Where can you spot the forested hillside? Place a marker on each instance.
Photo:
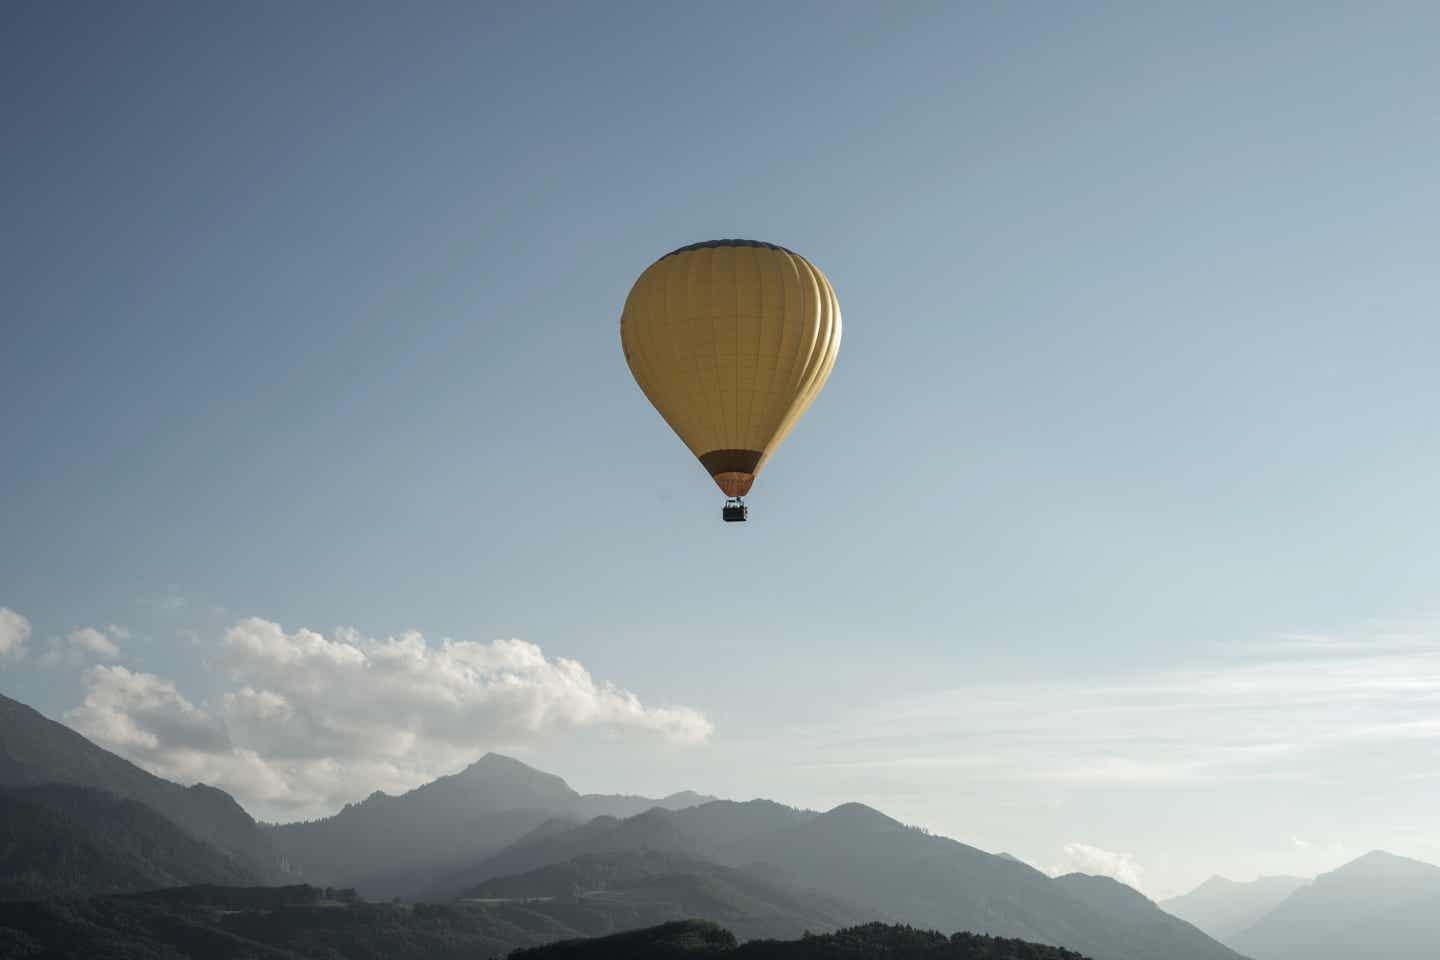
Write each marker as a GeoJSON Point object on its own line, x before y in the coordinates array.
{"type": "Point", "coordinates": [307, 923]}
{"type": "Point", "coordinates": [59, 839]}
{"type": "Point", "coordinates": [35, 750]}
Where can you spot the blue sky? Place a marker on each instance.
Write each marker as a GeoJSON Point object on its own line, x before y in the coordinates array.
{"type": "Point", "coordinates": [311, 316]}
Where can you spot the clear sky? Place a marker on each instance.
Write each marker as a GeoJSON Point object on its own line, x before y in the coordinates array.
{"type": "Point", "coordinates": [1110, 543]}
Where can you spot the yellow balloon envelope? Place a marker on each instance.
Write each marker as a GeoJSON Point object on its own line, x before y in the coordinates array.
{"type": "Point", "coordinates": [731, 340]}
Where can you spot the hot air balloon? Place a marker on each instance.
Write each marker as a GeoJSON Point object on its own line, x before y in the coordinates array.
{"type": "Point", "coordinates": [731, 340]}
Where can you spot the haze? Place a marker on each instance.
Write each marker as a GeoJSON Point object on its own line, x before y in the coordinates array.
{"type": "Point", "coordinates": [1109, 544]}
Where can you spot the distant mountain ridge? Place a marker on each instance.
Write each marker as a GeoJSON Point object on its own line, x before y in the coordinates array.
{"type": "Point", "coordinates": [1224, 908]}
{"type": "Point", "coordinates": [1379, 905]}
{"type": "Point", "coordinates": [627, 805]}
{"type": "Point", "coordinates": [35, 750]}
{"type": "Point", "coordinates": [1135, 917]}
{"type": "Point", "coordinates": [728, 832]}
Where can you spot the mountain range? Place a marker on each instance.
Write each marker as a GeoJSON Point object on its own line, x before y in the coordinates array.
{"type": "Point", "coordinates": [1224, 908]}
{"type": "Point", "coordinates": [511, 856]}
{"type": "Point", "coordinates": [1380, 905]}
{"type": "Point", "coordinates": [856, 855]}
{"type": "Point", "coordinates": [400, 845]}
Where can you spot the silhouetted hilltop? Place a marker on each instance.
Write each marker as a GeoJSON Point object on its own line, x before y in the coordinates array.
{"type": "Point", "coordinates": [683, 938]}
{"type": "Point", "coordinates": [694, 938]}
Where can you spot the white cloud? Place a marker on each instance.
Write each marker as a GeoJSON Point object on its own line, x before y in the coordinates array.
{"type": "Point", "coordinates": [1097, 861]}
{"type": "Point", "coordinates": [14, 631]}
{"type": "Point", "coordinates": [94, 642]}
{"type": "Point", "coordinates": [87, 643]}
{"type": "Point", "coordinates": [1362, 705]}
{"type": "Point", "coordinates": [144, 716]}
{"type": "Point", "coordinates": [309, 721]}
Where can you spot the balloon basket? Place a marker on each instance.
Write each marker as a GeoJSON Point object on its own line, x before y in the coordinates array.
{"type": "Point", "coordinates": [735, 511]}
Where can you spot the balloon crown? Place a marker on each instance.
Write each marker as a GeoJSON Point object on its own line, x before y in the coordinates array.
{"type": "Point", "coordinates": [730, 243]}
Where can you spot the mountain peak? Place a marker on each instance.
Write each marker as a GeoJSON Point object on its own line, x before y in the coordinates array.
{"type": "Point", "coordinates": [858, 815]}
{"type": "Point", "coordinates": [498, 761]}
{"type": "Point", "coordinates": [1216, 883]}
{"type": "Point", "coordinates": [1377, 905]}
{"type": "Point", "coordinates": [650, 821]}
{"type": "Point", "coordinates": [503, 783]}
{"type": "Point", "coordinates": [1381, 863]}
{"type": "Point", "coordinates": [1107, 894]}
{"type": "Point", "coordinates": [1382, 856]}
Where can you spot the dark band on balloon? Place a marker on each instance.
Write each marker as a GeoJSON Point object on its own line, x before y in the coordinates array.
{"type": "Point", "coordinates": [730, 461]}
{"type": "Point", "coordinates": [733, 470]}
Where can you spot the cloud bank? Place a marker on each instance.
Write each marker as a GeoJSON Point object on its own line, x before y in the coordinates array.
{"type": "Point", "coordinates": [309, 721]}
{"type": "Point", "coordinates": [85, 644]}
{"type": "Point", "coordinates": [14, 631]}
{"type": "Point", "coordinates": [1097, 861]}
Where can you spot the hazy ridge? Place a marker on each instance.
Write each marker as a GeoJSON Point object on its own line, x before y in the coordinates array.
{"type": "Point", "coordinates": [1224, 908]}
